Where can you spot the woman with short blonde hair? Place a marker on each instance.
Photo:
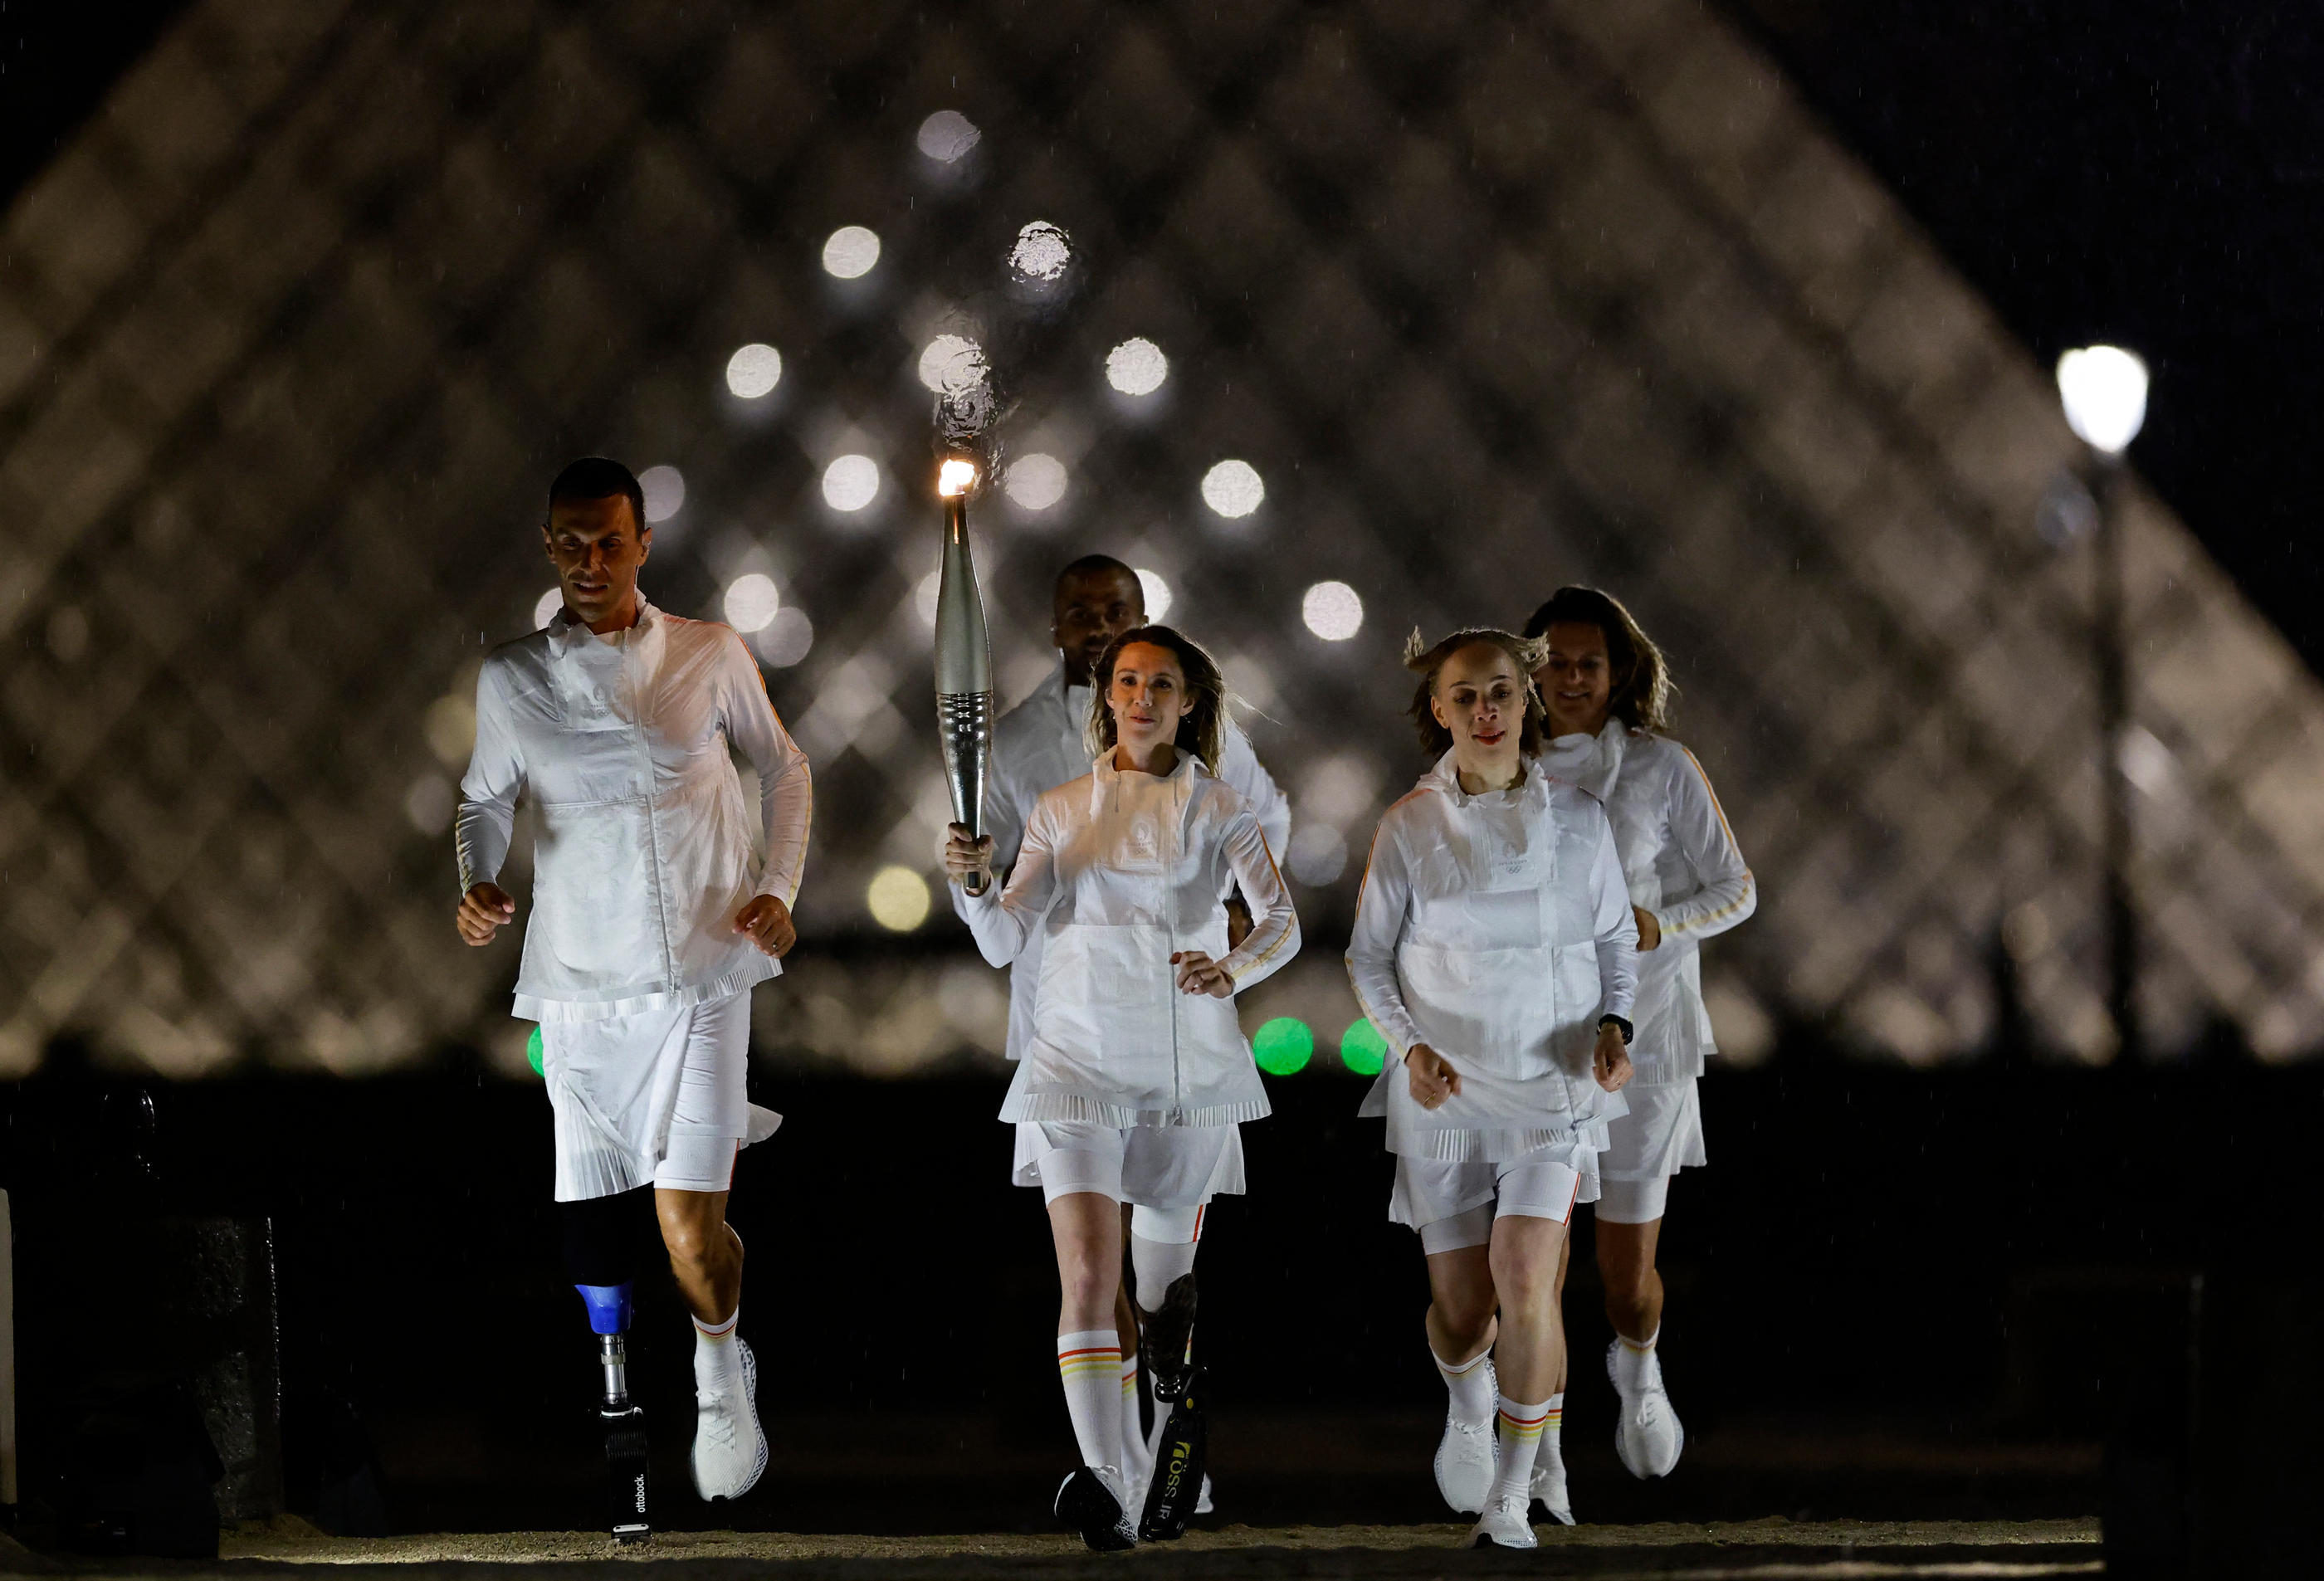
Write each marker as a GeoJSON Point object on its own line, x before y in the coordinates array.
{"type": "Point", "coordinates": [1494, 952]}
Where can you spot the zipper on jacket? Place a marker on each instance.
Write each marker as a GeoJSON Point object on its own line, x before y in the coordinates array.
{"type": "Point", "coordinates": [653, 811]}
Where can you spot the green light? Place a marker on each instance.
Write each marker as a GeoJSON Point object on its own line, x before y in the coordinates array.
{"type": "Point", "coordinates": [1362, 1049]}
{"type": "Point", "coordinates": [533, 1049]}
{"type": "Point", "coordinates": [1284, 1047]}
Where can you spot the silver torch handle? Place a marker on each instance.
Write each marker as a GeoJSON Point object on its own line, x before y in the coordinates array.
{"type": "Point", "coordinates": [963, 655]}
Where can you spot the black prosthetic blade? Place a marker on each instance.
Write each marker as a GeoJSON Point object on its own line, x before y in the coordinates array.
{"type": "Point", "coordinates": [626, 1473]}
{"type": "Point", "coordinates": [1177, 1484]}
{"type": "Point", "coordinates": [1169, 1340]}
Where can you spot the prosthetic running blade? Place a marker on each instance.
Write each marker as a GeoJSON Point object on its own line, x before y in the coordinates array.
{"type": "Point", "coordinates": [1177, 1487]}
{"type": "Point", "coordinates": [625, 1472]}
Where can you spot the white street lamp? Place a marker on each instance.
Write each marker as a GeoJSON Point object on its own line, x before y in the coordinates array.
{"type": "Point", "coordinates": [2104, 389]}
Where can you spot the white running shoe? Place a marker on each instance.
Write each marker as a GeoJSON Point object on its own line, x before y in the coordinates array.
{"type": "Point", "coordinates": [1203, 1505]}
{"type": "Point", "coordinates": [1549, 1484]}
{"type": "Point", "coordinates": [1503, 1525]}
{"type": "Point", "coordinates": [730, 1452]}
{"type": "Point", "coordinates": [1647, 1436]}
{"type": "Point", "coordinates": [1467, 1456]}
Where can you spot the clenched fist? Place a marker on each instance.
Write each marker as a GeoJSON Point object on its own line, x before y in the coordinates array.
{"type": "Point", "coordinates": [1610, 1062]}
{"type": "Point", "coordinates": [968, 858]}
{"type": "Point", "coordinates": [482, 909]}
{"type": "Point", "coordinates": [1431, 1076]}
{"type": "Point", "coordinates": [767, 921]}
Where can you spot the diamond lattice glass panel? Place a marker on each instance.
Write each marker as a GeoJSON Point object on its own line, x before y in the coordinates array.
{"type": "Point", "coordinates": [1477, 306]}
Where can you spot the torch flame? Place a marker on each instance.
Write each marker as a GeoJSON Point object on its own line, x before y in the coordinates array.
{"type": "Point", "coordinates": [956, 477]}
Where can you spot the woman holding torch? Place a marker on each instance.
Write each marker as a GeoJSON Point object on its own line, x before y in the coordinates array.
{"type": "Point", "coordinates": [1495, 950]}
{"type": "Point", "coordinates": [1137, 1073]}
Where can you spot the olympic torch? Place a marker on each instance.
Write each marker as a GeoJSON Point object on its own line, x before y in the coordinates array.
{"type": "Point", "coordinates": [964, 661]}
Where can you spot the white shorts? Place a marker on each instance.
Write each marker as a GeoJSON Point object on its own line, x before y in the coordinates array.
{"type": "Point", "coordinates": [1661, 1135]}
{"type": "Point", "coordinates": [609, 1081]}
{"type": "Point", "coordinates": [1175, 1166]}
{"type": "Point", "coordinates": [1632, 1201]}
{"type": "Point", "coordinates": [1544, 1184]}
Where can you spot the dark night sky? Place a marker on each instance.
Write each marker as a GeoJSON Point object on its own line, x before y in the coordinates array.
{"type": "Point", "coordinates": [2151, 174]}
{"type": "Point", "coordinates": [2140, 172]}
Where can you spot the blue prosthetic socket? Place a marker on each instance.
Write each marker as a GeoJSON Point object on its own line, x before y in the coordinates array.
{"type": "Point", "coordinates": [609, 1306]}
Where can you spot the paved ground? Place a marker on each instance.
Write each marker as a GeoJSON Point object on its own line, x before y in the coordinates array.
{"type": "Point", "coordinates": [1773, 1549]}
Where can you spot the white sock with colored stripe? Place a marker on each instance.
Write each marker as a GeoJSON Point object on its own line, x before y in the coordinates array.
{"type": "Point", "coordinates": [1551, 1452]}
{"type": "Point", "coordinates": [1134, 1459]}
{"type": "Point", "coordinates": [1089, 1364]}
{"type": "Point", "coordinates": [1470, 1384]}
{"type": "Point", "coordinates": [1520, 1427]}
{"type": "Point", "coordinates": [717, 1358]}
{"type": "Point", "coordinates": [1635, 1367]}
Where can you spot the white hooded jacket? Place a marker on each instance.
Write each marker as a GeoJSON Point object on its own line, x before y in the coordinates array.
{"type": "Point", "coordinates": [1117, 872]}
{"type": "Point", "coordinates": [1681, 861]}
{"type": "Point", "coordinates": [1496, 930]}
{"type": "Point", "coordinates": [1036, 747]}
{"type": "Point", "coordinates": [645, 852]}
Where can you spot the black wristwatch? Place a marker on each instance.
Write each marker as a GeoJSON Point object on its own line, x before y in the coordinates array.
{"type": "Point", "coordinates": [1619, 1025]}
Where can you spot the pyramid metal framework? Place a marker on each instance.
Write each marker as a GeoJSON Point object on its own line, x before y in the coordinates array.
{"type": "Point", "coordinates": [1491, 298]}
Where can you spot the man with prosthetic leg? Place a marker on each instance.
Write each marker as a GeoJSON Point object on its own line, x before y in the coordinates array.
{"type": "Point", "coordinates": [652, 919]}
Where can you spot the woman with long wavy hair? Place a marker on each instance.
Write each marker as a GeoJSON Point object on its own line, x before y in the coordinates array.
{"type": "Point", "coordinates": [1137, 1077]}
{"type": "Point", "coordinates": [1607, 688]}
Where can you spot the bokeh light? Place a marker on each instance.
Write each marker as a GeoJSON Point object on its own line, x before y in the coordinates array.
{"type": "Point", "coordinates": [1233, 489]}
{"type": "Point", "coordinates": [1137, 366]}
{"type": "Point", "coordinates": [1318, 855]}
{"type": "Point", "coordinates": [427, 805]}
{"type": "Point", "coordinates": [1158, 596]}
{"type": "Point", "coordinates": [665, 493]}
{"type": "Point", "coordinates": [849, 253]}
{"type": "Point", "coordinates": [1283, 1046]}
{"type": "Point", "coordinates": [1333, 611]}
{"type": "Point", "coordinates": [948, 136]}
{"type": "Point", "coordinates": [786, 639]}
{"type": "Point", "coordinates": [451, 726]}
{"type": "Point", "coordinates": [952, 363]}
{"type": "Point", "coordinates": [926, 595]}
{"type": "Point", "coordinates": [545, 608]}
{"type": "Point", "coordinates": [1042, 252]}
{"type": "Point", "coordinates": [898, 898]}
{"type": "Point", "coordinates": [1362, 1049]}
{"type": "Point", "coordinates": [1036, 482]}
{"type": "Point", "coordinates": [851, 482]}
{"type": "Point", "coordinates": [752, 602]}
{"type": "Point", "coordinates": [754, 370]}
